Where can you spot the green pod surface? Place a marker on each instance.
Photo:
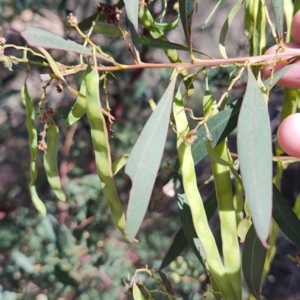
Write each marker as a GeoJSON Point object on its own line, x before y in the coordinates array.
{"type": "Point", "coordinates": [100, 141]}
{"type": "Point", "coordinates": [199, 217]}
{"type": "Point", "coordinates": [167, 26]}
{"type": "Point", "coordinates": [221, 171]}
{"type": "Point", "coordinates": [146, 18]}
{"type": "Point", "coordinates": [78, 109]}
{"type": "Point", "coordinates": [50, 161]}
{"type": "Point", "coordinates": [33, 142]}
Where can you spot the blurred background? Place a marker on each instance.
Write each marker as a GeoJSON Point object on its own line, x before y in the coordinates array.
{"type": "Point", "coordinates": [75, 252]}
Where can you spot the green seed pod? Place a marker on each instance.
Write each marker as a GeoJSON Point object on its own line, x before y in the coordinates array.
{"type": "Point", "coordinates": [146, 18]}
{"type": "Point", "coordinates": [50, 161]}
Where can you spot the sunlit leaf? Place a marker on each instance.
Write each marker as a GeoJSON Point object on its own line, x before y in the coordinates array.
{"type": "Point", "coordinates": [137, 294]}
{"type": "Point", "coordinates": [37, 37]}
{"type": "Point", "coordinates": [53, 64]}
{"type": "Point", "coordinates": [255, 155]}
{"type": "Point", "coordinates": [144, 160]}
{"type": "Point", "coordinates": [119, 163]}
{"type": "Point", "coordinates": [243, 228]}
{"type": "Point", "coordinates": [253, 259]}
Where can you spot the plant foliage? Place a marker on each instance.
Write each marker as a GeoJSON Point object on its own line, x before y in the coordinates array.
{"type": "Point", "coordinates": [196, 122]}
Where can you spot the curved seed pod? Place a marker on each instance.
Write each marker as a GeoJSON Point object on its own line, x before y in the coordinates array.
{"type": "Point", "coordinates": [193, 196]}
{"type": "Point", "coordinates": [222, 166]}
{"type": "Point", "coordinates": [78, 109]}
{"type": "Point", "coordinates": [33, 142]}
{"type": "Point", "coordinates": [146, 18]}
{"type": "Point", "coordinates": [167, 26]}
{"type": "Point", "coordinates": [50, 161]}
{"type": "Point", "coordinates": [100, 141]}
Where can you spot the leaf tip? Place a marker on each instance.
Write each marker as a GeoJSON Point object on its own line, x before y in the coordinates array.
{"type": "Point", "coordinates": [265, 244]}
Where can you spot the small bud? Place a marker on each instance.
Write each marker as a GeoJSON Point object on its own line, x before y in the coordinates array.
{"type": "Point", "coordinates": [2, 41]}
{"type": "Point", "coordinates": [72, 20]}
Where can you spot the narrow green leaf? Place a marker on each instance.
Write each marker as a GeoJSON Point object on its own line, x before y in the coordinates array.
{"type": "Point", "coordinates": [108, 29]}
{"type": "Point", "coordinates": [278, 14]}
{"type": "Point", "coordinates": [277, 76]}
{"type": "Point", "coordinates": [186, 10]}
{"type": "Point", "coordinates": [166, 282]}
{"type": "Point", "coordinates": [132, 10]}
{"type": "Point", "coordinates": [212, 13]}
{"type": "Point", "coordinates": [255, 155]}
{"type": "Point", "coordinates": [179, 244]}
{"type": "Point", "coordinates": [296, 5]}
{"type": "Point", "coordinates": [37, 37]}
{"type": "Point", "coordinates": [53, 65]}
{"type": "Point", "coordinates": [220, 126]}
{"type": "Point", "coordinates": [119, 163]}
{"type": "Point", "coordinates": [87, 23]}
{"type": "Point", "coordinates": [285, 218]}
{"type": "Point", "coordinates": [253, 259]}
{"type": "Point", "coordinates": [144, 160]}
{"type": "Point", "coordinates": [210, 205]}
{"type": "Point", "coordinates": [226, 26]}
